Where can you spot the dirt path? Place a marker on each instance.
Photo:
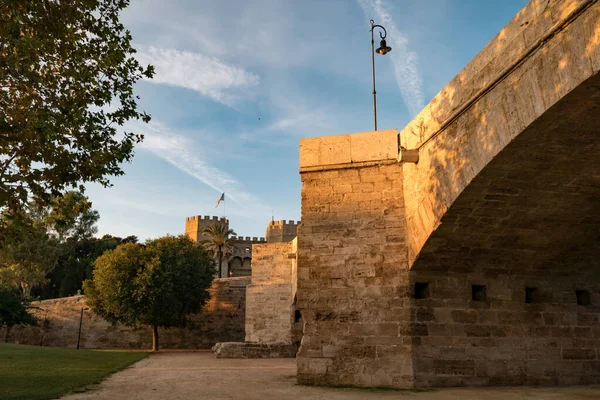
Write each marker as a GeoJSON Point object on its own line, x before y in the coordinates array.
{"type": "Point", "coordinates": [199, 375]}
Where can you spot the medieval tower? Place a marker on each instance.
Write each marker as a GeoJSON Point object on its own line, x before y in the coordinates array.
{"type": "Point", "coordinates": [238, 262]}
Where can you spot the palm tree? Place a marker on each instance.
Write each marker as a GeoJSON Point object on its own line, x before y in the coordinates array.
{"type": "Point", "coordinates": [217, 241]}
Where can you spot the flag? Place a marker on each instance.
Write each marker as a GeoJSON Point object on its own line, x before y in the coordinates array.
{"type": "Point", "coordinates": [222, 198]}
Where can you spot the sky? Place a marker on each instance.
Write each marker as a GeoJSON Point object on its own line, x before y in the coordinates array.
{"type": "Point", "coordinates": [239, 82]}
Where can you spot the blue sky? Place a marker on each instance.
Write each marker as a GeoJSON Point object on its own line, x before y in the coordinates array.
{"type": "Point", "coordinates": [238, 83]}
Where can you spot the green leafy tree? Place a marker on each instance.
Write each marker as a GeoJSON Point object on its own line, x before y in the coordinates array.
{"type": "Point", "coordinates": [158, 284]}
{"type": "Point", "coordinates": [33, 242]}
{"type": "Point", "coordinates": [71, 217]}
{"type": "Point", "coordinates": [13, 311]}
{"type": "Point", "coordinates": [27, 252]}
{"type": "Point", "coordinates": [218, 242]}
{"type": "Point", "coordinates": [67, 73]}
{"type": "Point", "coordinates": [75, 265]}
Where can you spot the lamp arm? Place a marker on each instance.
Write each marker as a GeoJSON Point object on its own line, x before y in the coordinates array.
{"type": "Point", "coordinates": [373, 26]}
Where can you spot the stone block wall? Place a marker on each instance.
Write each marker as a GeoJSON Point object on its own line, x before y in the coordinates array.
{"type": "Point", "coordinates": [509, 337]}
{"type": "Point", "coordinates": [269, 315]}
{"type": "Point", "coordinates": [281, 231]}
{"type": "Point", "coordinates": [221, 320]}
{"type": "Point", "coordinates": [352, 264]}
{"type": "Point", "coordinates": [468, 311]}
{"type": "Point", "coordinates": [548, 49]}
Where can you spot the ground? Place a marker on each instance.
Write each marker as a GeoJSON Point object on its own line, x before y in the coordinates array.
{"type": "Point", "coordinates": [39, 373]}
{"type": "Point", "coordinates": [189, 375]}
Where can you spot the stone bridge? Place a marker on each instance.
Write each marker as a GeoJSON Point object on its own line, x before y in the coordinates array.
{"type": "Point", "coordinates": [478, 264]}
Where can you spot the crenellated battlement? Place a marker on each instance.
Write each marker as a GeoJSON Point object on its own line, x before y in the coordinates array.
{"type": "Point", "coordinates": [248, 239]}
{"type": "Point", "coordinates": [283, 222]}
{"type": "Point", "coordinates": [206, 218]}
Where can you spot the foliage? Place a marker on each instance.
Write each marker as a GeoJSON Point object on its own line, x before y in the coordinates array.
{"type": "Point", "coordinates": [13, 310]}
{"type": "Point", "coordinates": [76, 263]}
{"type": "Point", "coordinates": [158, 284]}
{"type": "Point", "coordinates": [218, 242]}
{"type": "Point", "coordinates": [71, 217]}
{"type": "Point", "coordinates": [67, 73]}
{"type": "Point", "coordinates": [41, 373]}
{"type": "Point", "coordinates": [34, 241]}
{"type": "Point", "coordinates": [27, 252]}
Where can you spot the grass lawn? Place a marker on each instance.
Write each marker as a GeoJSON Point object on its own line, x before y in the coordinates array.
{"type": "Point", "coordinates": [36, 373]}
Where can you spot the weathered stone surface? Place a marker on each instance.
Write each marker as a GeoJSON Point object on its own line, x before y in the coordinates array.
{"type": "Point", "coordinates": [254, 350]}
{"type": "Point", "coordinates": [504, 198]}
{"type": "Point", "coordinates": [351, 263]}
{"type": "Point", "coordinates": [269, 308]}
{"type": "Point", "coordinates": [545, 52]}
{"type": "Point", "coordinates": [281, 231]}
{"type": "Point", "coordinates": [222, 319]}
{"type": "Point", "coordinates": [344, 149]}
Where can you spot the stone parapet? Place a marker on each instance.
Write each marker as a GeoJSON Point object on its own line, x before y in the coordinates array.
{"type": "Point", "coordinates": [329, 151]}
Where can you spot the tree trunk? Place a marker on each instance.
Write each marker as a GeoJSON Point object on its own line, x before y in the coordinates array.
{"type": "Point", "coordinates": [220, 262]}
{"type": "Point", "coordinates": [26, 290]}
{"type": "Point", "coordinates": [155, 338]}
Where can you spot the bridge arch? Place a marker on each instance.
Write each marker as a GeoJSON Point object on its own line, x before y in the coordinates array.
{"type": "Point", "coordinates": [544, 53]}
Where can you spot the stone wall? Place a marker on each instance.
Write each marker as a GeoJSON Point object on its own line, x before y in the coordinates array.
{"type": "Point", "coordinates": [548, 49]}
{"type": "Point", "coordinates": [478, 264]}
{"type": "Point", "coordinates": [221, 320]}
{"type": "Point", "coordinates": [494, 299]}
{"type": "Point", "coordinates": [269, 316]}
{"type": "Point", "coordinates": [527, 229]}
{"type": "Point", "coordinates": [525, 330]}
{"type": "Point", "coordinates": [281, 231]}
{"type": "Point", "coordinates": [352, 263]}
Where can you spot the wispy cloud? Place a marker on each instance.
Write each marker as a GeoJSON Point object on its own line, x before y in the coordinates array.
{"type": "Point", "coordinates": [187, 156]}
{"type": "Point", "coordinates": [183, 154]}
{"type": "Point", "coordinates": [405, 60]}
{"type": "Point", "coordinates": [209, 76]}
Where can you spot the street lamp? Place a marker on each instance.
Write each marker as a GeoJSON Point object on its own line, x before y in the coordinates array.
{"type": "Point", "coordinates": [383, 50]}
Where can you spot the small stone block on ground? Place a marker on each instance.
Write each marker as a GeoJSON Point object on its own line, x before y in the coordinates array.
{"type": "Point", "coordinates": [254, 350]}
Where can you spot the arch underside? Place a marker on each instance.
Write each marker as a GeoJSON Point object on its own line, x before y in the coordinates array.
{"type": "Point", "coordinates": [536, 206]}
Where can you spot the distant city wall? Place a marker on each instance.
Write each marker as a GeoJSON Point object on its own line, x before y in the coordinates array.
{"type": "Point", "coordinates": [221, 320]}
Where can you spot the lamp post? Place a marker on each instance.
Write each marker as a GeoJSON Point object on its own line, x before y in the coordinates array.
{"type": "Point", "coordinates": [80, 321]}
{"type": "Point", "coordinates": [383, 50]}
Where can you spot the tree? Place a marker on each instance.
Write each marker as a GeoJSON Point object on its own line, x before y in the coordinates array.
{"type": "Point", "coordinates": [71, 217]}
{"type": "Point", "coordinates": [27, 252]}
{"type": "Point", "coordinates": [35, 240]}
{"type": "Point", "coordinates": [158, 284]}
{"type": "Point", "coordinates": [67, 73]}
{"type": "Point", "coordinates": [217, 241]}
{"type": "Point", "coordinates": [13, 310]}
{"type": "Point", "coordinates": [75, 265]}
